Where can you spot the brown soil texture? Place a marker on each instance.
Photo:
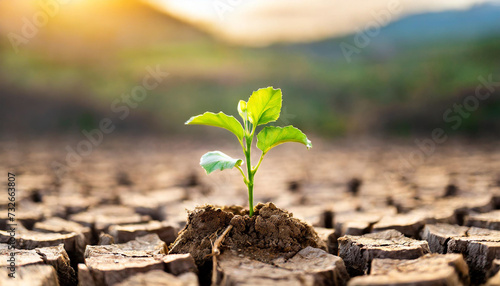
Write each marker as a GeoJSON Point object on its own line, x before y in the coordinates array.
{"type": "Point", "coordinates": [270, 233]}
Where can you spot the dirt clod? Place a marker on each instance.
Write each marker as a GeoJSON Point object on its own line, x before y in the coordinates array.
{"type": "Point", "coordinates": [359, 251]}
{"type": "Point", "coordinates": [310, 266]}
{"type": "Point", "coordinates": [270, 233]}
{"type": "Point", "coordinates": [430, 269]}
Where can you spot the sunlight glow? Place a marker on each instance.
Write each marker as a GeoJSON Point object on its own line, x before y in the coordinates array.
{"type": "Point", "coordinates": [261, 22]}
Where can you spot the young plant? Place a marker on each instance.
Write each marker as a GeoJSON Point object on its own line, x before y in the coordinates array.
{"type": "Point", "coordinates": [263, 106]}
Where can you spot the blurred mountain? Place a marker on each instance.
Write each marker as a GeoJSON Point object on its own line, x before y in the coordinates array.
{"type": "Point", "coordinates": [419, 30]}
{"type": "Point", "coordinates": [478, 21]}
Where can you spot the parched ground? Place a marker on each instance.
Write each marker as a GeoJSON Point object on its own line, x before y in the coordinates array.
{"type": "Point", "coordinates": [390, 210]}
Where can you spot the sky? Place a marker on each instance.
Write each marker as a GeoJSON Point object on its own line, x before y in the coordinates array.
{"type": "Point", "coordinates": [262, 22]}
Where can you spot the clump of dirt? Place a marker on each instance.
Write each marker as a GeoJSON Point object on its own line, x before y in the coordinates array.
{"type": "Point", "coordinates": [270, 233]}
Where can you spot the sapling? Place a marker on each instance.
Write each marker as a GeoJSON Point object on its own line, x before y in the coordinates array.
{"type": "Point", "coordinates": [263, 106]}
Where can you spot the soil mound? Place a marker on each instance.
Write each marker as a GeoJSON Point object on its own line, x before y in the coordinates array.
{"type": "Point", "coordinates": [270, 233]}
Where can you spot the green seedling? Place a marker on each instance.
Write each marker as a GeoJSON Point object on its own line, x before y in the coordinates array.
{"type": "Point", "coordinates": [263, 106]}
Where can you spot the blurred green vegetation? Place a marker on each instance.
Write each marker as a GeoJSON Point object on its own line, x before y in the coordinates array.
{"type": "Point", "coordinates": [399, 92]}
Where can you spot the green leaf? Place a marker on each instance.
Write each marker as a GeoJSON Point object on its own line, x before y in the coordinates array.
{"type": "Point", "coordinates": [272, 136]}
{"type": "Point", "coordinates": [216, 160]}
{"type": "Point", "coordinates": [242, 109]}
{"type": "Point", "coordinates": [218, 120]}
{"type": "Point", "coordinates": [264, 106]}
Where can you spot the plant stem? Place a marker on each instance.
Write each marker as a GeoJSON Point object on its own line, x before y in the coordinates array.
{"type": "Point", "coordinates": [258, 164]}
{"type": "Point", "coordinates": [243, 174]}
{"type": "Point", "coordinates": [250, 174]}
